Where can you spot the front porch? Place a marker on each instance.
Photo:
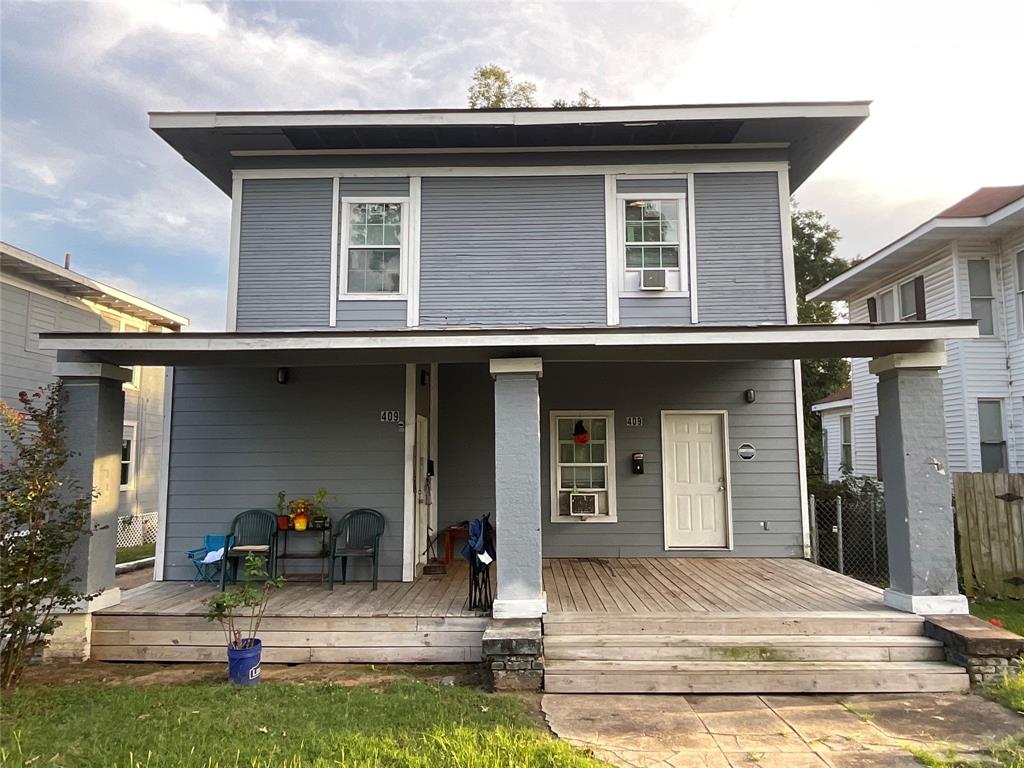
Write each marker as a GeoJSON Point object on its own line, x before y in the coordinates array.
{"type": "Point", "coordinates": [666, 624]}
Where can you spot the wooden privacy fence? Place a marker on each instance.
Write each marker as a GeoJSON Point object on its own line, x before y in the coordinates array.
{"type": "Point", "coordinates": [990, 532]}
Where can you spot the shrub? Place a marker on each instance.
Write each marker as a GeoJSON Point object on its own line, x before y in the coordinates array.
{"type": "Point", "coordinates": [43, 513]}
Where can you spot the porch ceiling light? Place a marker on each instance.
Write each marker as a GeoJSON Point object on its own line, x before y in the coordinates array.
{"type": "Point", "coordinates": [282, 375]}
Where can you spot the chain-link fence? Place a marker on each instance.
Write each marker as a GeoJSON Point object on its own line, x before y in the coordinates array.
{"type": "Point", "coordinates": [136, 530]}
{"type": "Point", "coordinates": [848, 536]}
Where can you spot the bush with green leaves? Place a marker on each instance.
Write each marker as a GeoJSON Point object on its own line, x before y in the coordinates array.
{"type": "Point", "coordinates": [240, 610]}
{"type": "Point", "coordinates": [43, 514]}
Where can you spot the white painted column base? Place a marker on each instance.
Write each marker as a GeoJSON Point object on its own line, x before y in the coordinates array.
{"type": "Point", "coordinates": [926, 605]}
{"type": "Point", "coordinates": [523, 608]}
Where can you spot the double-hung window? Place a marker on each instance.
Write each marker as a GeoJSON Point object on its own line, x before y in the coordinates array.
{"type": "Point", "coordinates": [374, 237]}
{"type": "Point", "coordinates": [128, 447]}
{"type": "Point", "coordinates": [887, 306]}
{"type": "Point", "coordinates": [1020, 288]}
{"type": "Point", "coordinates": [653, 243]}
{"type": "Point", "coordinates": [979, 281]}
{"type": "Point", "coordinates": [908, 301]}
{"type": "Point", "coordinates": [993, 439]}
{"type": "Point", "coordinates": [582, 466]}
{"type": "Point", "coordinates": [846, 458]}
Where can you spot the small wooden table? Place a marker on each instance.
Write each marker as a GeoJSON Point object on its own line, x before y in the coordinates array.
{"type": "Point", "coordinates": [323, 554]}
{"type": "Point", "coordinates": [448, 537]}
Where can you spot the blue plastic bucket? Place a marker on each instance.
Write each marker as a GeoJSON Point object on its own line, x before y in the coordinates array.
{"type": "Point", "coordinates": [244, 664]}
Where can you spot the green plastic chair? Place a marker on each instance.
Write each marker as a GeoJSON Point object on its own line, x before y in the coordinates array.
{"type": "Point", "coordinates": [358, 536]}
{"type": "Point", "coordinates": [252, 532]}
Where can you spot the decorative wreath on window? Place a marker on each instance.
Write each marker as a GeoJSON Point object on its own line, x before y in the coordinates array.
{"type": "Point", "coordinates": [580, 436]}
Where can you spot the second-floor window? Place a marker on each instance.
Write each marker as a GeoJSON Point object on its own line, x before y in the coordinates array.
{"type": "Point", "coordinates": [979, 281]}
{"type": "Point", "coordinates": [373, 238]}
{"type": "Point", "coordinates": [1020, 288]}
{"type": "Point", "coordinates": [653, 243]}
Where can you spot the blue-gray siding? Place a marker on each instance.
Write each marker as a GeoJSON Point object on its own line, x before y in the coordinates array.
{"type": "Point", "coordinates": [739, 248]}
{"type": "Point", "coordinates": [513, 250]}
{"type": "Point", "coordinates": [284, 254]}
{"type": "Point", "coordinates": [239, 437]}
{"type": "Point", "coordinates": [764, 490]}
{"type": "Point", "coordinates": [654, 310]}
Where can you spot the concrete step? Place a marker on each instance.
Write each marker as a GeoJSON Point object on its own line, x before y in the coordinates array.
{"type": "Point", "coordinates": [582, 676]}
{"type": "Point", "coordinates": [631, 647]}
{"type": "Point", "coordinates": [861, 623]}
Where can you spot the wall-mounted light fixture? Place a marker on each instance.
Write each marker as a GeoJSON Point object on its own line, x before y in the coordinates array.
{"type": "Point", "coordinates": [424, 377]}
{"type": "Point", "coordinates": [750, 395]}
{"type": "Point", "coordinates": [282, 375]}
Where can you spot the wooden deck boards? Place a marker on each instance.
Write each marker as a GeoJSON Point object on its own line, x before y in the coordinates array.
{"type": "Point", "coordinates": [685, 586]}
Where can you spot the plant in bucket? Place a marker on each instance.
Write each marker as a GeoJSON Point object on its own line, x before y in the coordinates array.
{"type": "Point", "coordinates": [239, 613]}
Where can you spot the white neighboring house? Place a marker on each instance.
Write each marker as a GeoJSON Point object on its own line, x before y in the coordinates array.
{"type": "Point", "coordinates": [39, 296]}
{"type": "Point", "coordinates": [966, 262]}
{"type": "Point", "coordinates": [836, 413]}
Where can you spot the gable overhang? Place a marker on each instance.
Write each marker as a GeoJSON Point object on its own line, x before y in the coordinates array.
{"type": "Point", "coordinates": [611, 344]}
{"type": "Point", "coordinates": [915, 246]}
{"type": "Point", "coordinates": [834, 405]}
{"type": "Point", "coordinates": [218, 143]}
{"type": "Point", "coordinates": [20, 265]}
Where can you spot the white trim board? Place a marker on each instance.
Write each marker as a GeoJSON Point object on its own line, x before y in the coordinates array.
{"type": "Point", "coordinates": [334, 289]}
{"type": "Point", "coordinates": [801, 457]}
{"type": "Point", "coordinates": [570, 116]}
{"type": "Point", "coordinates": [409, 495]}
{"type": "Point", "coordinates": [413, 288]}
{"type": "Point", "coordinates": [165, 471]}
{"type": "Point", "coordinates": [923, 333]}
{"type": "Point", "coordinates": [538, 170]}
{"type": "Point", "coordinates": [231, 320]}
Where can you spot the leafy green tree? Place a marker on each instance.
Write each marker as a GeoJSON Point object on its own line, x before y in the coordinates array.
{"type": "Point", "coordinates": [43, 513]}
{"type": "Point", "coordinates": [492, 87]}
{"type": "Point", "coordinates": [815, 262]}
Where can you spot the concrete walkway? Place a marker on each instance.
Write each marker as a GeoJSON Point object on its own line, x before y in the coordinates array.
{"type": "Point", "coordinates": [867, 731]}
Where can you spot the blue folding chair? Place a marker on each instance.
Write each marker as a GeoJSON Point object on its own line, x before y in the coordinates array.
{"type": "Point", "coordinates": [207, 572]}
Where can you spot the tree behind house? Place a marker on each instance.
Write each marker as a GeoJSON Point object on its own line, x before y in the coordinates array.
{"type": "Point", "coordinates": [492, 87]}
{"type": "Point", "coordinates": [815, 262]}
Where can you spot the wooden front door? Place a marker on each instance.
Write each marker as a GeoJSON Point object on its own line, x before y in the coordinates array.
{"type": "Point", "coordinates": [695, 477]}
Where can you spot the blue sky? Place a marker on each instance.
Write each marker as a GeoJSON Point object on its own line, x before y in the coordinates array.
{"type": "Point", "coordinates": [81, 172]}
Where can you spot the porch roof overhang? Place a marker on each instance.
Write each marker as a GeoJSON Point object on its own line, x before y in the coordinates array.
{"type": "Point", "coordinates": [611, 344]}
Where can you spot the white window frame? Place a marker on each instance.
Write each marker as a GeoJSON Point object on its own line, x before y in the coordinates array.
{"type": "Point", "coordinates": [903, 315]}
{"type": "Point", "coordinates": [845, 431]}
{"type": "Point", "coordinates": [1017, 255]}
{"type": "Point", "coordinates": [133, 427]}
{"type": "Point", "coordinates": [609, 416]}
{"type": "Point", "coordinates": [1002, 431]}
{"type": "Point", "coordinates": [344, 246]}
{"type": "Point", "coordinates": [991, 298]}
{"type": "Point", "coordinates": [683, 247]}
{"type": "Point", "coordinates": [894, 293]}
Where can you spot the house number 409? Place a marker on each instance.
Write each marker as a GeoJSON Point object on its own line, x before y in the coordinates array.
{"type": "Point", "coordinates": [390, 417]}
{"type": "Point", "coordinates": [634, 421]}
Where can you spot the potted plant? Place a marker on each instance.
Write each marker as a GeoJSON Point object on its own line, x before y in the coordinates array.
{"type": "Point", "coordinates": [284, 520]}
{"type": "Point", "coordinates": [320, 520]}
{"type": "Point", "coordinates": [301, 510]}
{"type": "Point", "coordinates": [239, 613]}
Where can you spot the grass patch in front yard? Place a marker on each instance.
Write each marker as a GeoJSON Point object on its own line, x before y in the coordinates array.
{"type": "Point", "coordinates": [286, 725]}
{"type": "Point", "coordinates": [1006, 754]}
{"type": "Point", "coordinates": [1009, 692]}
{"type": "Point", "coordinates": [129, 554]}
{"type": "Point", "coordinates": [1007, 609]}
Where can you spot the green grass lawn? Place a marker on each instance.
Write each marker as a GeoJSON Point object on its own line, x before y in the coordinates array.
{"type": "Point", "coordinates": [1007, 609]}
{"type": "Point", "coordinates": [275, 725]}
{"type": "Point", "coordinates": [128, 554]}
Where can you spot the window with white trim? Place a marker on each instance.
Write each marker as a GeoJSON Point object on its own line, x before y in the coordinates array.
{"type": "Point", "coordinates": [128, 445]}
{"type": "Point", "coordinates": [908, 301]}
{"type": "Point", "coordinates": [886, 302]}
{"type": "Point", "coordinates": [979, 281]}
{"type": "Point", "coordinates": [652, 243]}
{"type": "Point", "coordinates": [846, 452]}
{"type": "Point", "coordinates": [993, 438]}
{"type": "Point", "coordinates": [582, 466]}
{"type": "Point", "coordinates": [1020, 288]}
{"type": "Point", "coordinates": [374, 245]}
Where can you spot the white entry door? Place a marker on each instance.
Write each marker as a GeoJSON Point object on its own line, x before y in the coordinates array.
{"type": "Point", "coordinates": [695, 479]}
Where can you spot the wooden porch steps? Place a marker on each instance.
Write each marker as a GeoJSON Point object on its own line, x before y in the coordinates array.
{"type": "Point", "coordinates": [859, 652]}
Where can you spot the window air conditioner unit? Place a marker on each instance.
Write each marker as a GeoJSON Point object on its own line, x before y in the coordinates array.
{"type": "Point", "coordinates": [583, 504]}
{"type": "Point", "coordinates": [652, 279]}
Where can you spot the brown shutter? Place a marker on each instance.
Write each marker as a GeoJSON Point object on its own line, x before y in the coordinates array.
{"type": "Point", "coordinates": [919, 298]}
{"type": "Point", "coordinates": [872, 311]}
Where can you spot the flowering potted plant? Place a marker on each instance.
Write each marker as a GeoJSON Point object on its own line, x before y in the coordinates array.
{"type": "Point", "coordinates": [240, 613]}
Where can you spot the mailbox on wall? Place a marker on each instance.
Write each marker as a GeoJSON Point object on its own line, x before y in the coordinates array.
{"type": "Point", "coordinates": [638, 463]}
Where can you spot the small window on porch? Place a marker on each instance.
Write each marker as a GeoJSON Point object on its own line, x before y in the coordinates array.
{"type": "Point", "coordinates": [582, 466]}
{"type": "Point", "coordinates": [128, 456]}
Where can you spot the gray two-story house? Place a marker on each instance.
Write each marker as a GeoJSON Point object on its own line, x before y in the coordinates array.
{"type": "Point", "coordinates": [579, 321]}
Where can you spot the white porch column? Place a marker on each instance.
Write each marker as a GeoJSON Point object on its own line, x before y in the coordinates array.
{"type": "Point", "coordinates": [918, 492]}
{"type": "Point", "coordinates": [517, 488]}
{"type": "Point", "coordinates": [94, 424]}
